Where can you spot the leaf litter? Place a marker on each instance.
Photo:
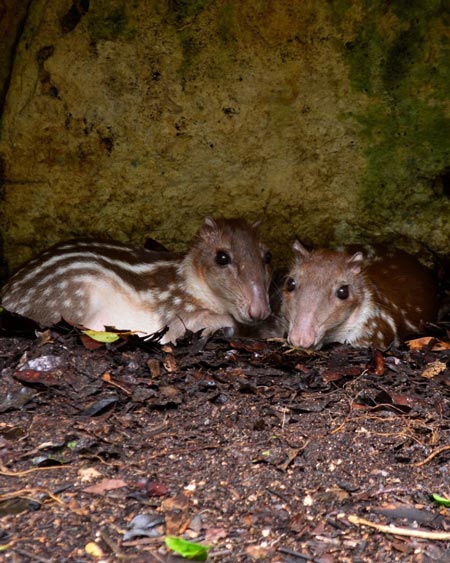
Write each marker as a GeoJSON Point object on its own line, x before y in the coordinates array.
{"type": "Point", "coordinates": [260, 451]}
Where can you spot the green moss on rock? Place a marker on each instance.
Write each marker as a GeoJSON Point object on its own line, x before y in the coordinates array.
{"type": "Point", "coordinates": [250, 108]}
{"type": "Point", "coordinates": [180, 10]}
{"type": "Point", "coordinates": [400, 58]}
{"type": "Point", "coordinates": [226, 23]}
{"type": "Point", "coordinates": [110, 20]}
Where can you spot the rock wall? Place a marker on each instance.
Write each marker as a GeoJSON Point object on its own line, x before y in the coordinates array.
{"type": "Point", "coordinates": [329, 119]}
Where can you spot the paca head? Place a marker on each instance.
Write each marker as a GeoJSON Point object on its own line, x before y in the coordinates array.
{"type": "Point", "coordinates": [322, 296]}
{"type": "Point", "coordinates": [232, 267]}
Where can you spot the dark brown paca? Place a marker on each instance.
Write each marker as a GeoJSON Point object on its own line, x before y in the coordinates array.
{"type": "Point", "coordinates": [377, 298]}
{"type": "Point", "coordinates": [222, 280]}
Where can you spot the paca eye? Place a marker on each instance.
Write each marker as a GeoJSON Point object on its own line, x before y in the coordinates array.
{"type": "Point", "coordinates": [291, 284]}
{"type": "Point", "coordinates": [223, 258]}
{"type": "Point", "coordinates": [267, 258]}
{"type": "Point", "coordinates": [342, 292]}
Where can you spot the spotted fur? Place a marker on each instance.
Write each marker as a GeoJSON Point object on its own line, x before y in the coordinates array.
{"type": "Point", "coordinates": [388, 295]}
{"type": "Point", "coordinates": [109, 284]}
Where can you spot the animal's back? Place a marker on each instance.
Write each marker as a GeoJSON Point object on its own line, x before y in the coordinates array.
{"type": "Point", "coordinates": [75, 280]}
{"type": "Point", "coordinates": [405, 288]}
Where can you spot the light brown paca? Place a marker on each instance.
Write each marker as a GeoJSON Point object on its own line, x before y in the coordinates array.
{"type": "Point", "coordinates": [360, 299]}
{"type": "Point", "coordinates": [221, 281]}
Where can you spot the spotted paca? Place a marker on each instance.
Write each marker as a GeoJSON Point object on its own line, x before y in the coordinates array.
{"type": "Point", "coordinates": [377, 297]}
{"type": "Point", "coordinates": [221, 281]}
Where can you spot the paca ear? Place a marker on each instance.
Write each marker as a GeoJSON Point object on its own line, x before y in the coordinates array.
{"type": "Point", "coordinates": [355, 262]}
{"type": "Point", "coordinates": [258, 223]}
{"type": "Point", "coordinates": [209, 222]}
{"type": "Point", "coordinates": [299, 249]}
{"type": "Point", "coordinates": [208, 231]}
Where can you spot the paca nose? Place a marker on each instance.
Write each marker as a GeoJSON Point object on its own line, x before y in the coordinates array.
{"type": "Point", "coordinates": [259, 306]}
{"type": "Point", "coordinates": [302, 334]}
{"type": "Point", "coordinates": [259, 310]}
{"type": "Point", "coordinates": [302, 340]}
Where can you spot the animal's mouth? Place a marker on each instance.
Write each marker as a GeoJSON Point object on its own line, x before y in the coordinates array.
{"type": "Point", "coordinates": [253, 322]}
{"type": "Point", "coordinates": [247, 319]}
{"type": "Point", "coordinates": [306, 336]}
{"type": "Point", "coordinates": [252, 315]}
{"type": "Point", "coordinates": [306, 346]}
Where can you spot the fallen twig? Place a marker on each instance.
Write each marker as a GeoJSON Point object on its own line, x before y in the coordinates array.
{"type": "Point", "coordinates": [293, 553]}
{"type": "Point", "coordinates": [26, 494]}
{"type": "Point", "coordinates": [30, 555]}
{"type": "Point", "coordinates": [4, 471]}
{"type": "Point", "coordinates": [21, 493]}
{"type": "Point", "coordinates": [112, 545]}
{"type": "Point", "coordinates": [431, 456]}
{"type": "Point", "coordinates": [396, 530]}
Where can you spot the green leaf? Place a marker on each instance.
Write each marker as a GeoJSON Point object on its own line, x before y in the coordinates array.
{"type": "Point", "coordinates": [72, 445]}
{"type": "Point", "coordinates": [187, 549]}
{"type": "Point", "coordinates": [441, 500]}
{"type": "Point", "coordinates": [100, 336]}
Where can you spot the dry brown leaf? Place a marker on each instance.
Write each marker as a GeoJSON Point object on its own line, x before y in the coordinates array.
{"type": "Point", "coordinates": [433, 369]}
{"type": "Point", "coordinates": [89, 343]}
{"type": "Point", "coordinates": [154, 368]}
{"type": "Point", "coordinates": [169, 391]}
{"type": "Point", "coordinates": [256, 552]}
{"type": "Point", "coordinates": [213, 535]}
{"type": "Point", "coordinates": [105, 485]}
{"type": "Point", "coordinates": [88, 473]}
{"type": "Point", "coordinates": [176, 511]}
{"type": "Point", "coordinates": [440, 346]}
{"type": "Point", "coordinates": [379, 363]}
{"type": "Point", "coordinates": [421, 343]}
{"type": "Point", "coordinates": [170, 363]}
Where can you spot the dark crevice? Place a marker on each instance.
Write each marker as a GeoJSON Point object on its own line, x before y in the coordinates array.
{"type": "Point", "coordinates": [12, 56]}
{"type": "Point", "coordinates": [445, 179]}
{"type": "Point", "coordinates": [4, 271]}
{"type": "Point", "coordinates": [441, 183]}
{"type": "Point", "coordinates": [72, 17]}
{"type": "Point", "coordinates": [9, 63]}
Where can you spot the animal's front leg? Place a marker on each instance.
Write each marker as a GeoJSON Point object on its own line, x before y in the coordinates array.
{"type": "Point", "coordinates": [200, 320]}
{"type": "Point", "coordinates": [209, 322]}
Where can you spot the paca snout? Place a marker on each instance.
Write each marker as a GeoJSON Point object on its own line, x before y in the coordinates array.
{"type": "Point", "coordinates": [305, 332]}
{"type": "Point", "coordinates": [259, 306]}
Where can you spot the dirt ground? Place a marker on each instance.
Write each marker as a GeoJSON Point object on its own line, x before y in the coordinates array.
{"type": "Point", "coordinates": [262, 452]}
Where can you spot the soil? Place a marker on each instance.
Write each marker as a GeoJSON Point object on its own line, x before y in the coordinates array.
{"type": "Point", "coordinates": [262, 452]}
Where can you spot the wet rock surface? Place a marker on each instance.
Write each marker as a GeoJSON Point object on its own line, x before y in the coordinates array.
{"type": "Point", "coordinates": [129, 119]}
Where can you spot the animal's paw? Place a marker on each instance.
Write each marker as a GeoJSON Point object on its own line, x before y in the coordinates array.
{"type": "Point", "coordinates": [228, 331]}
